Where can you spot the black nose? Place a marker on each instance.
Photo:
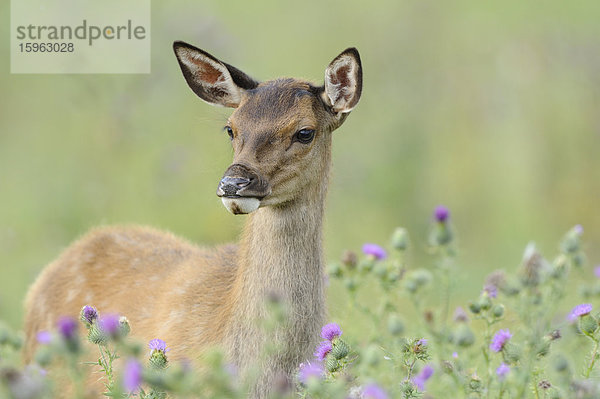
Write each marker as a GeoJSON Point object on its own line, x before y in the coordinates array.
{"type": "Point", "coordinates": [229, 186]}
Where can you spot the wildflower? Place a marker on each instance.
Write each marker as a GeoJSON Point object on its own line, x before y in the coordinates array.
{"type": "Point", "coordinates": [597, 271]}
{"type": "Point", "coordinates": [124, 327]}
{"type": "Point", "coordinates": [578, 229]}
{"type": "Point", "coordinates": [420, 379]}
{"type": "Point", "coordinates": [158, 353]}
{"type": "Point", "coordinates": [44, 337]}
{"type": "Point", "coordinates": [422, 342]}
{"type": "Point", "coordinates": [132, 376]}
{"type": "Point", "coordinates": [88, 315]}
{"type": "Point", "coordinates": [373, 391]}
{"type": "Point", "coordinates": [158, 345]}
{"type": "Point", "coordinates": [400, 239]}
{"type": "Point", "coordinates": [323, 350]}
{"type": "Point", "coordinates": [349, 259]}
{"type": "Point", "coordinates": [331, 331]}
{"type": "Point", "coordinates": [500, 339]}
{"type": "Point", "coordinates": [67, 327]}
{"type": "Point", "coordinates": [491, 290]}
{"type": "Point", "coordinates": [580, 311]}
{"type": "Point", "coordinates": [455, 355]}
{"type": "Point", "coordinates": [460, 316]}
{"type": "Point", "coordinates": [502, 371]}
{"type": "Point", "coordinates": [309, 371]}
{"type": "Point", "coordinates": [109, 324]}
{"type": "Point", "coordinates": [441, 234]}
{"type": "Point", "coordinates": [375, 251]}
{"type": "Point", "coordinates": [441, 214]}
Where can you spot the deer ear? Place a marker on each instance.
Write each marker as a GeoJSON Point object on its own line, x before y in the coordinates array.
{"type": "Point", "coordinates": [212, 80]}
{"type": "Point", "coordinates": [343, 81]}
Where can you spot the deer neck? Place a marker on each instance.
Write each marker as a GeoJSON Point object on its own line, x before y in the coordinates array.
{"type": "Point", "coordinates": [280, 254]}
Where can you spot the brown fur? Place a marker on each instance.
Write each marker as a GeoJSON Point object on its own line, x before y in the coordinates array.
{"type": "Point", "coordinates": [193, 297]}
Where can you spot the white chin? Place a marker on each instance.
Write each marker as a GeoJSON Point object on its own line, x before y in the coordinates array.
{"type": "Point", "coordinates": [240, 206]}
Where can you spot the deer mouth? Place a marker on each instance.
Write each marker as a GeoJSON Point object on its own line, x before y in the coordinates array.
{"type": "Point", "coordinates": [240, 205]}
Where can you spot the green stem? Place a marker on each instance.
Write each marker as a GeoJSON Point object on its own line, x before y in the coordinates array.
{"type": "Point", "coordinates": [593, 360]}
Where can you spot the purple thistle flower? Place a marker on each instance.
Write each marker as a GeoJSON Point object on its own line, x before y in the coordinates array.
{"type": "Point", "coordinates": [67, 327]}
{"type": "Point", "coordinates": [597, 271]}
{"type": "Point", "coordinates": [578, 229]}
{"type": "Point", "coordinates": [323, 350]}
{"type": "Point", "coordinates": [373, 391]}
{"type": "Point", "coordinates": [441, 214]}
{"type": "Point", "coordinates": [420, 379]}
{"type": "Point", "coordinates": [502, 371]}
{"type": "Point", "coordinates": [491, 290]}
{"type": "Point", "coordinates": [500, 339]}
{"type": "Point", "coordinates": [89, 314]}
{"type": "Point", "coordinates": [331, 331]}
{"type": "Point", "coordinates": [580, 311]}
{"type": "Point", "coordinates": [422, 342]}
{"type": "Point", "coordinates": [375, 251]}
{"type": "Point", "coordinates": [455, 355]}
{"type": "Point", "coordinates": [132, 375]}
{"type": "Point", "coordinates": [310, 371]}
{"type": "Point", "coordinates": [44, 337]}
{"type": "Point", "coordinates": [158, 345]}
{"type": "Point", "coordinates": [109, 324]}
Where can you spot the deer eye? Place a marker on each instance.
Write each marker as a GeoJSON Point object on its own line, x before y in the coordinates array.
{"type": "Point", "coordinates": [229, 131]}
{"type": "Point", "coordinates": [305, 136]}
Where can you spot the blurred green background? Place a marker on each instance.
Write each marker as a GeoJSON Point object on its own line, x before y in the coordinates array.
{"type": "Point", "coordinates": [490, 108]}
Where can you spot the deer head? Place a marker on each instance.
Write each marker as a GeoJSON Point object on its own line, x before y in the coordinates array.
{"type": "Point", "coordinates": [280, 130]}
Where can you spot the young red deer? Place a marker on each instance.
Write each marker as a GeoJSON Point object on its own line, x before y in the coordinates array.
{"type": "Point", "coordinates": [193, 297]}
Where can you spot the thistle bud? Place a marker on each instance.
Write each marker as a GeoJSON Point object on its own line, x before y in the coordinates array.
{"type": "Point", "coordinates": [475, 383]}
{"type": "Point", "coordinates": [474, 307]}
{"type": "Point", "coordinates": [395, 325]}
{"type": "Point", "coordinates": [43, 356]}
{"type": "Point", "coordinates": [334, 270]}
{"type": "Point", "coordinates": [96, 335]}
{"type": "Point", "coordinates": [349, 259]}
{"type": "Point", "coordinates": [332, 364]}
{"type": "Point", "coordinates": [158, 360]}
{"type": "Point", "coordinates": [421, 276]}
{"type": "Point", "coordinates": [512, 352]}
{"type": "Point", "coordinates": [366, 265]}
{"type": "Point", "coordinates": [411, 285]}
{"type": "Point", "coordinates": [340, 349]}
{"type": "Point", "coordinates": [400, 239]}
{"type": "Point", "coordinates": [588, 324]}
{"type": "Point", "coordinates": [350, 284]}
{"type": "Point", "coordinates": [124, 327]}
{"type": "Point", "coordinates": [498, 311]}
{"type": "Point", "coordinates": [380, 270]}
{"type": "Point", "coordinates": [484, 302]}
{"type": "Point", "coordinates": [571, 241]}
{"type": "Point", "coordinates": [464, 335]}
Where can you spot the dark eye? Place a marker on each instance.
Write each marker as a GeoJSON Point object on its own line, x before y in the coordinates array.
{"type": "Point", "coordinates": [305, 136]}
{"type": "Point", "coordinates": [229, 131]}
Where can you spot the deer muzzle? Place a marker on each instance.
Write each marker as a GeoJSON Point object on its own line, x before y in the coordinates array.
{"type": "Point", "coordinates": [241, 189]}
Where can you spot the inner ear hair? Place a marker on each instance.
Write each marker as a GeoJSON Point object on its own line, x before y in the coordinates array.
{"type": "Point", "coordinates": [212, 80]}
{"type": "Point", "coordinates": [343, 81]}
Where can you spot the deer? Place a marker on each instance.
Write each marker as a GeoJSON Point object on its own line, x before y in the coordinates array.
{"type": "Point", "coordinates": [193, 297]}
